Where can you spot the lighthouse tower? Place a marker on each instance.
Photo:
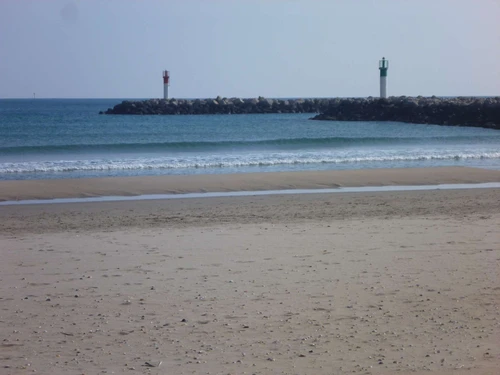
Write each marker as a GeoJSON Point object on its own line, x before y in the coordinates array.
{"type": "Point", "coordinates": [383, 66]}
{"type": "Point", "coordinates": [166, 83]}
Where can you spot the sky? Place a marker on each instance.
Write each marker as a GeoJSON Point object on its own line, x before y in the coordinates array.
{"type": "Point", "coordinates": [248, 48]}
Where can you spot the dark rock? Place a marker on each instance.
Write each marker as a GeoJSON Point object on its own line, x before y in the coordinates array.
{"type": "Point", "coordinates": [462, 111]}
{"type": "Point", "coordinates": [478, 112]}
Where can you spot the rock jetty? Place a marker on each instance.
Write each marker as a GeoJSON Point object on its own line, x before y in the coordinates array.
{"type": "Point", "coordinates": [217, 106]}
{"type": "Point", "coordinates": [460, 111]}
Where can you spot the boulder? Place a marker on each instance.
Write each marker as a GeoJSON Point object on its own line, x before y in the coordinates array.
{"type": "Point", "coordinates": [460, 111]}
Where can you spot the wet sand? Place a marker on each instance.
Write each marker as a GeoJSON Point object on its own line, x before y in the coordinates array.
{"type": "Point", "coordinates": [362, 283]}
{"type": "Point", "coordinates": [144, 185]}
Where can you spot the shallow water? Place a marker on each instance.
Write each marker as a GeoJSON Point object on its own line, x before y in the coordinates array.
{"type": "Point", "coordinates": [67, 138]}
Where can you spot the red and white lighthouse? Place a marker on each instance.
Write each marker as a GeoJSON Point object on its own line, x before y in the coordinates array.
{"type": "Point", "coordinates": [166, 83]}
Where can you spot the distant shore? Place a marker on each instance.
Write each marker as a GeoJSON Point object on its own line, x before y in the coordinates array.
{"type": "Point", "coordinates": [461, 111]}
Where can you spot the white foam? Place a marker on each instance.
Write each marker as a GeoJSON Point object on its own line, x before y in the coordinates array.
{"type": "Point", "coordinates": [241, 160]}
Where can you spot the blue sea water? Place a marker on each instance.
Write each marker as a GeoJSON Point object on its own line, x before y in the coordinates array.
{"type": "Point", "coordinates": [67, 138]}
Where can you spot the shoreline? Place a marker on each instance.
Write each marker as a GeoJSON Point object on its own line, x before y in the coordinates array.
{"type": "Point", "coordinates": [20, 190]}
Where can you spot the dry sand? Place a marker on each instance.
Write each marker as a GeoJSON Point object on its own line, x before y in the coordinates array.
{"type": "Point", "coordinates": [367, 283]}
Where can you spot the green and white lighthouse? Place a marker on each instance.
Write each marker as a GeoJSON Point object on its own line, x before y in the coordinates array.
{"type": "Point", "coordinates": [383, 66]}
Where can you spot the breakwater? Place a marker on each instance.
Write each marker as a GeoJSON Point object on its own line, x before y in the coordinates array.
{"type": "Point", "coordinates": [460, 111]}
{"type": "Point", "coordinates": [217, 106]}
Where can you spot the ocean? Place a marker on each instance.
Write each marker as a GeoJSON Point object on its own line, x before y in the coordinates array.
{"type": "Point", "coordinates": [67, 138]}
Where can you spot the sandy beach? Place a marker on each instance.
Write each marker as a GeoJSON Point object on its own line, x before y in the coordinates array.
{"type": "Point", "coordinates": [362, 283]}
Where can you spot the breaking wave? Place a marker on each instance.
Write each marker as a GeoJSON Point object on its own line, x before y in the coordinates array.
{"type": "Point", "coordinates": [227, 161]}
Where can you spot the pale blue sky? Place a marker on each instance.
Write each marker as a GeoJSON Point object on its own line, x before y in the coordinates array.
{"type": "Point", "coordinates": [247, 48]}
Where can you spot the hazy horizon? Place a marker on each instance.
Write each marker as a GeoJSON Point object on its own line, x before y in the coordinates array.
{"type": "Point", "coordinates": [118, 49]}
{"type": "Point", "coordinates": [252, 97]}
